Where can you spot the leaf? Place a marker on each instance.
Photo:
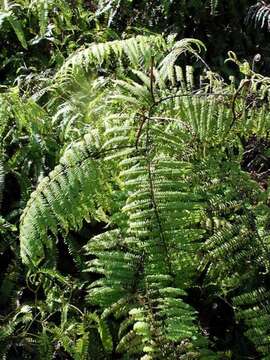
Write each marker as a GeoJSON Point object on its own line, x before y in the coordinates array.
{"type": "Point", "coordinates": [245, 68]}
{"type": "Point", "coordinates": [17, 27]}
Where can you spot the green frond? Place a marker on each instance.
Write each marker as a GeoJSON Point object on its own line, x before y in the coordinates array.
{"type": "Point", "coordinates": [80, 176]}
{"type": "Point", "coordinates": [238, 253]}
{"type": "Point", "coordinates": [44, 345]}
{"type": "Point", "coordinates": [137, 50]}
{"type": "Point", "coordinates": [103, 331]}
{"type": "Point", "coordinates": [131, 344]}
{"type": "Point", "coordinates": [254, 309]}
{"type": "Point", "coordinates": [42, 8]}
{"type": "Point", "coordinates": [183, 46]}
{"type": "Point", "coordinates": [26, 112]}
{"type": "Point", "coordinates": [214, 4]}
{"type": "Point", "coordinates": [208, 117]}
{"type": "Point", "coordinates": [137, 94]}
{"type": "Point", "coordinates": [117, 267]}
{"type": "Point", "coordinates": [142, 260]}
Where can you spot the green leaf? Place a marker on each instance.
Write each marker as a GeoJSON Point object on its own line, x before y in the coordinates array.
{"type": "Point", "coordinates": [17, 27]}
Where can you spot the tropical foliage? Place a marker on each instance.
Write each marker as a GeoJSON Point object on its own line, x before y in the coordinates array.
{"type": "Point", "coordinates": [134, 179]}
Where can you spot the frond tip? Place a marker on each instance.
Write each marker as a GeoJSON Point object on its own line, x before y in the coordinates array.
{"type": "Point", "coordinates": [187, 45]}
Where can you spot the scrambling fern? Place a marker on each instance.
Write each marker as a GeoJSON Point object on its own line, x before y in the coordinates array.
{"type": "Point", "coordinates": [161, 169]}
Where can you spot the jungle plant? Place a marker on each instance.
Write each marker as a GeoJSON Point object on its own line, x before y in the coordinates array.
{"type": "Point", "coordinates": [160, 167]}
{"type": "Point", "coordinates": [150, 238]}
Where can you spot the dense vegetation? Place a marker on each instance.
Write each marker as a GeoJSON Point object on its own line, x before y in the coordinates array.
{"type": "Point", "coordinates": [134, 175]}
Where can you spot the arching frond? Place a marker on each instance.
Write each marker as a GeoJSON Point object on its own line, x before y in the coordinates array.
{"type": "Point", "coordinates": [137, 50]}
{"type": "Point", "coordinates": [192, 46]}
{"type": "Point", "coordinates": [80, 176]}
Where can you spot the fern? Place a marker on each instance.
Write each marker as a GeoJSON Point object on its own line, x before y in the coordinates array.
{"type": "Point", "coordinates": [158, 228]}
{"type": "Point", "coordinates": [214, 4]}
{"type": "Point", "coordinates": [46, 209]}
{"type": "Point", "coordinates": [138, 51]}
{"type": "Point", "coordinates": [161, 167]}
{"type": "Point", "coordinates": [238, 253]}
{"type": "Point", "coordinates": [254, 310]}
{"type": "Point", "coordinates": [43, 13]}
{"type": "Point", "coordinates": [158, 224]}
{"type": "Point", "coordinates": [259, 15]}
{"type": "Point", "coordinates": [45, 347]}
{"type": "Point", "coordinates": [185, 45]}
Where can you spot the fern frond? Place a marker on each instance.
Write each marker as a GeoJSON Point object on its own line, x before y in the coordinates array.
{"type": "Point", "coordinates": [238, 253]}
{"type": "Point", "coordinates": [137, 50]}
{"type": "Point", "coordinates": [42, 8]}
{"type": "Point", "coordinates": [103, 331]}
{"type": "Point", "coordinates": [214, 4]}
{"type": "Point", "coordinates": [118, 268]}
{"type": "Point", "coordinates": [259, 15]}
{"type": "Point", "coordinates": [142, 260]}
{"type": "Point", "coordinates": [44, 345]}
{"type": "Point", "coordinates": [209, 119]}
{"type": "Point", "coordinates": [192, 46]}
{"type": "Point", "coordinates": [254, 309]}
{"type": "Point", "coordinates": [81, 350]}
{"type": "Point", "coordinates": [79, 175]}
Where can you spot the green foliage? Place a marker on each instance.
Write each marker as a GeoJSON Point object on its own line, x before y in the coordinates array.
{"type": "Point", "coordinates": [161, 166]}
{"type": "Point", "coordinates": [45, 208]}
{"type": "Point", "coordinates": [7, 15]}
{"type": "Point", "coordinates": [155, 222]}
{"type": "Point", "coordinates": [42, 34]}
{"type": "Point", "coordinates": [135, 50]}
